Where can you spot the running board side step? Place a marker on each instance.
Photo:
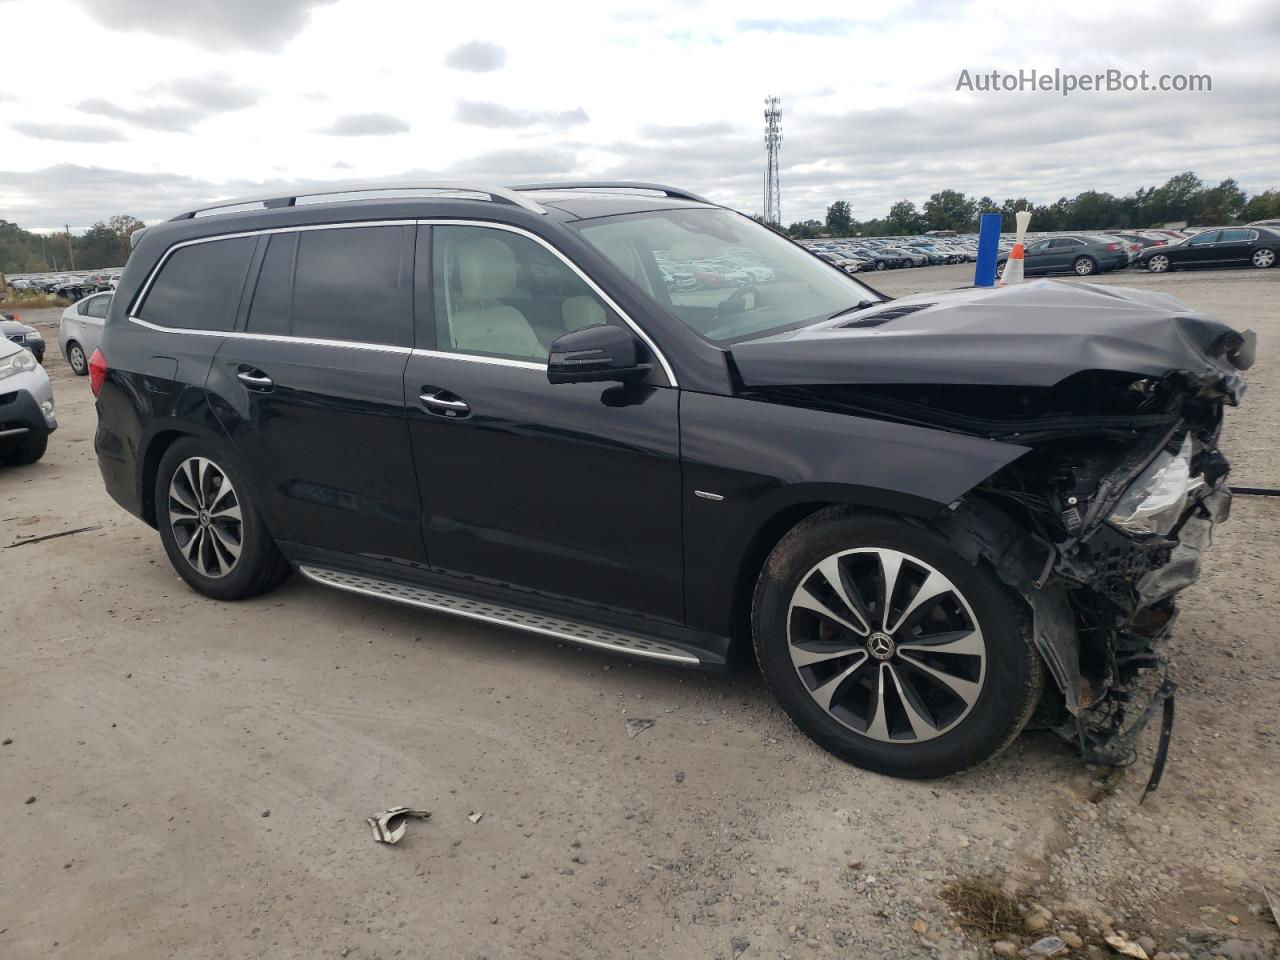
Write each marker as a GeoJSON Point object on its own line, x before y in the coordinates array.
{"type": "Point", "coordinates": [568, 630]}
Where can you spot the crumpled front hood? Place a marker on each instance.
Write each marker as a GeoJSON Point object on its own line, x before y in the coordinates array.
{"type": "Point", "coordinates": [1036, 333]}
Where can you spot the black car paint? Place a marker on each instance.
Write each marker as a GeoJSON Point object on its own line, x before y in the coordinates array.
{"type": "Point", "coordinates": [593, 500]}
{"type": "Point", "coordinates": [18, 332]}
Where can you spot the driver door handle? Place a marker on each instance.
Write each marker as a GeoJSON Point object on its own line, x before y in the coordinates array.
{"type": "Point", "coordinates": [443, 403]}
{"type": "Point", "coordinates": [255, 379]}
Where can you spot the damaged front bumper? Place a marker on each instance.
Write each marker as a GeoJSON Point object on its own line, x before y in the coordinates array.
{"type": "Point", "coordinates": [1102, 609]}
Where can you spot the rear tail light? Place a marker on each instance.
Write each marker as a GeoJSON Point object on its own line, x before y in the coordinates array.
{"type": "Point", "coordinates": [97, 371]}
{"type": "Point", "coordinates": [1113, 246]}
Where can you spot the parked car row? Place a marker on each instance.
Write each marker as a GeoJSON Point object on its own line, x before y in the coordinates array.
{"type": "Point", "coordinates": [858, 254]}
{"type": "Point", "coordinates": [69, 286]}
{"type": "Point", "coordinates": [1084, 253]}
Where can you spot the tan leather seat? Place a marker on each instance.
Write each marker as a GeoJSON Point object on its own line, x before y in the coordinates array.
{"type": "Point", "coordinates": [580, 311]}
{"type": "Point", "coordinates": [480, 323]}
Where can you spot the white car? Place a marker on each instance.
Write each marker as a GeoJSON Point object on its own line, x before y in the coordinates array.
{"type": "Point", "coordinates": [80, 331]}
{"type": "Point", "coordinates": [29, 415]}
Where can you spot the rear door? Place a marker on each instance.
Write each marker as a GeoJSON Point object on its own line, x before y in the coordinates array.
{"type": "Point", "coordinates": [568, 490]}
{"type": "Point", "coordinates": [1234, 246]}
{"type": "Point", "coordinates": [310, 388]}
{"type": "Point", "coordinates": [93, 314]}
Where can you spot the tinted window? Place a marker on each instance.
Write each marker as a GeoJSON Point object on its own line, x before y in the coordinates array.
{"type": "Point", "coordinates": [1236, 236]}
{"type": "Point", "coordinates": [352, 284]}
{"type": "Point", "coordinates": [1209, 236]}
{"type": "Point", "coordinates": [199, 286]}
{"type": "Point", "coordinates": [272, 297]}
{"type": "Point", "coordinates": [500, 294]}
{"type": "Point", "coordinates": [97, 306]}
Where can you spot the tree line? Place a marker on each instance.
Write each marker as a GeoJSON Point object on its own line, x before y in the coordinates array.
{"type": "Point", "coordinates": [105, 244]}
{"type": "Point", "coordinates": [1182, 197]}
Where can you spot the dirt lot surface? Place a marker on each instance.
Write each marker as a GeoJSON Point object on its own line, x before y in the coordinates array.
{"type": "Point", "coordinates": [184, 778]}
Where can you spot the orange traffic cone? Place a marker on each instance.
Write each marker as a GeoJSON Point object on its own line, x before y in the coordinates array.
{"type": "Point", "coordinates": [1013, 266]}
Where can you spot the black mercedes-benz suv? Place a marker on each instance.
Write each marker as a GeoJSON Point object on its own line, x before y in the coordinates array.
{"type": "Point", "coordinates": [928, 519]}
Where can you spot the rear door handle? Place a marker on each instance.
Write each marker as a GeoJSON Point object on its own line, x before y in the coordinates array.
{"type": "Point", "coordinates": [443, 403]}
{"type": "Point", "coordinates": [255, 379]}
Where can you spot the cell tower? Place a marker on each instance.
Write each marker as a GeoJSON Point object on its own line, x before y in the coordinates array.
{"type": "Point", "coordinates": [772, 144]}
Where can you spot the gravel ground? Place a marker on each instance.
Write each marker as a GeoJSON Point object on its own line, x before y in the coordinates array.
{"type": "Point", "coordinates": [183, 778]}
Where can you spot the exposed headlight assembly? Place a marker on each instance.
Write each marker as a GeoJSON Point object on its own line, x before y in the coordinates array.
{"type": "Point", "coordinates": [21, 362]}
{"type": "Point", "coordinates": [1155, 500]}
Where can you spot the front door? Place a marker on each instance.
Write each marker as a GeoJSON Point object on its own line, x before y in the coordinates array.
{"type": "Point", "coordinates": [1035, 258]}
{"type": "Point", "coordinates": [1198, 250]}
{"type": "Point", "coordinates": [571, 491]}
{"type": "Point", "coordinates": [310, 389]}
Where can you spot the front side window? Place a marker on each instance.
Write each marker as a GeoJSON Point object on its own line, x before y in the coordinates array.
{"type": "Point", "coordinates": [1202, 239]}
{"type": "Point", "coordinates": [500, 294]}
{"type": "Point", "coordinates": [199, 286]}
{"type": "Point", "coordinates": [786, 287]}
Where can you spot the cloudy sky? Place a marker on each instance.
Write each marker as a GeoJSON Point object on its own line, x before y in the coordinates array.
{"type": "Point", "coordinates": [149, 106]}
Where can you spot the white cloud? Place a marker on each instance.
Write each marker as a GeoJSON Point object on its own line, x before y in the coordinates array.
{"type": "Point", "coordinates": [662, 91]}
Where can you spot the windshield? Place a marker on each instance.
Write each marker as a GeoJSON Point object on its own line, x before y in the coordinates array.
{"type": "Point", "coordinates": [773, 284]}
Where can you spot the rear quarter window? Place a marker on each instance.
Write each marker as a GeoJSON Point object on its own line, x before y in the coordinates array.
{"type": "Point", "coordinates": [198, 287]}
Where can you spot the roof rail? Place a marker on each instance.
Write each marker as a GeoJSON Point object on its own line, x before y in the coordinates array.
{"type": "Point", "coordinates": [613, 185]}
{"type": "Point", "coordinates": [274, 200]}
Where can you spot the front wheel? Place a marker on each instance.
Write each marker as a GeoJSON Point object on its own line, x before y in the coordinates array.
{"type": "Point", "coordinates": [210, 525]}
{"type": "Point", "coordinates": [25, 453]}
{"type": "Point", "coordinates": [1159, 263]}
{"type": "Point", "coordinates": [889, 649]}
{"type": "Point", "coordinates": [1085, 266]}
{"type": "Point", "coordinates": [1263, 258]}
{"type": "Point", "coordinates": [879, 264]}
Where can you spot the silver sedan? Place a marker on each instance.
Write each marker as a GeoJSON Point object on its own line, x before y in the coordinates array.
{"type": "Point", "coordinates": [81, 330]}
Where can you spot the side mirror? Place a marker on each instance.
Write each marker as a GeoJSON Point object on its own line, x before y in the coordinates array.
{"type": "Point", "coordinates": [596, 354]}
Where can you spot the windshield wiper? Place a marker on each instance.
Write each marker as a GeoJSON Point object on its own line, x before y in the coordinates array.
{"type": "Point", "coordinates": [860, 305]}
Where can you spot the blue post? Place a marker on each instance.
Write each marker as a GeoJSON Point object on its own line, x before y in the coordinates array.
{"type": "Point", "coordinates": [984, 271]}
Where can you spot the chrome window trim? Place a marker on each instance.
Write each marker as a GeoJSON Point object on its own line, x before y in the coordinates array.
{"type": "Point", "coordinates": [140, 296]}
{"type": "Point", "coordinates": [480, 358]}
{"type": "Point", "coordinates": [276, 338]}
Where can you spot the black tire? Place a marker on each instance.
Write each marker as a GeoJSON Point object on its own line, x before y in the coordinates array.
{"type": "Point", "coordinates": [1000, 268]}
{"type": "Point", "coordinates": [25, 453]}
{"type": "Point", "coordinates": [1014, 673]}
{"type": "Point", "coordinates": [879, 264]}
{"type": "Point", "coordinates": [1084, 266]}
{"type": "Point", "coordinates": [260, 566]}
{"type": "Point", "coordinates": [76, 359]}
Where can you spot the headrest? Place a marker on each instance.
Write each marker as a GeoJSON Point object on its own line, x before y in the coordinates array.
{"type": "Point", "coordinates": [487, 269]}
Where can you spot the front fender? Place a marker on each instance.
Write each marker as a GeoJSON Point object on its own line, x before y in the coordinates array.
{"type": "Point", "coordinates": [768, 460]}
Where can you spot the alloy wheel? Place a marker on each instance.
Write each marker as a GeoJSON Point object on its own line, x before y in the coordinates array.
{"type": "Point", "coordinates": [886, 644]}
{"type": "Point", "coordinates": [1084, 266]}
{"type": "Point", "coordinates": [1264, 258]}
{"type": "Point", "coordinates": [1158, 264]}
{"type": "Point", "coordinates": [204, 514]}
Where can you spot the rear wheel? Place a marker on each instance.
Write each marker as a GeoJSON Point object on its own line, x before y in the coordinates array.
{"type": "Point", "coordinates": [210, 526]}
{"type": "Point", "coordinates": [78, 362]}
{"type": "Point", "coordinates": [1085, 266]}
{"type": "Point", "coordinates": [1264, 258]}
{"type": "Point", "coordinates": [890, 650]}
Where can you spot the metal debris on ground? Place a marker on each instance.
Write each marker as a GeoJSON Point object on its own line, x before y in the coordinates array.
{"type": "Point", "coordinates": [474, 817]}
{"type": "Point", "coordinates": [1126, 948]}
{"type": "Point", "coordinates": [636, 727]}
{"type": "Point", "coordinates": [389, 827]}
{"type": "Point", "coordinates": [53, 536]}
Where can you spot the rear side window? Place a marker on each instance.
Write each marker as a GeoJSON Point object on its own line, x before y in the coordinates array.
{"type": "Point", "coordinates": [98, 307]}
{"type": "Point", "coordinates": [353, 284]}
{"type": "Point", "coordinates": [199, 286]}
{"type": "Point", "coordinates": [273, 296]}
